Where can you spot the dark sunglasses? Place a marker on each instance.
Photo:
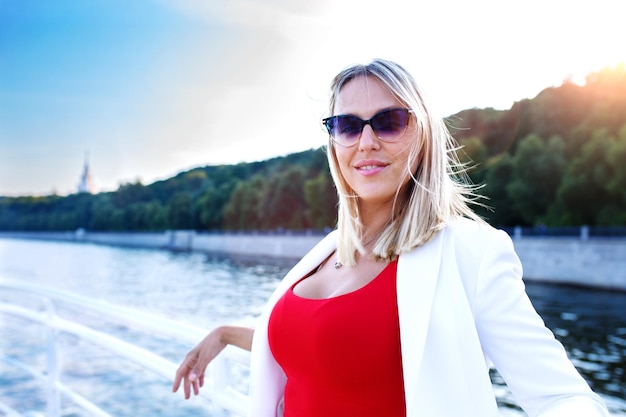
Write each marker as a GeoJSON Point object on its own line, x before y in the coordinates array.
{"type": "Point", "coordinates": [388, 125]}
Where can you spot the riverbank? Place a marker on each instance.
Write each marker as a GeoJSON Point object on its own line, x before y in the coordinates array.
{"type": "Point", "coordinates": [591, 262]}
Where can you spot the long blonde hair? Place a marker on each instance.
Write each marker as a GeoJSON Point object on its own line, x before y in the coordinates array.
{"type": "Point", "coordinates": [439, 189]}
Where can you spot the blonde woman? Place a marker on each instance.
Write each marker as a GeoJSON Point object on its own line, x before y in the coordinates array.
{"type": "Point", "coordinates": [401, 310]}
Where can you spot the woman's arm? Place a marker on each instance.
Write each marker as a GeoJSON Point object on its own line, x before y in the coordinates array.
{"type": "Point", "coordinates": [533, 363]}
{"type": "Point", "coordinates": [191, 370]}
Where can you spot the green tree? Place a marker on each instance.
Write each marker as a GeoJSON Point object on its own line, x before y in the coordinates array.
{"type": "Point", "coordinates": [613, 213]}
{"type": "Point", "coordinates": [195, 179]}
{"type": "Point", "coordinates": [210, 206]}
{"type": "Point", "coordinates": [146, 216]}
{"type": "Point", "coordinates": [131, 193]}
{"type": "Point", "coordinates": [503, 211]}
{"type": "Point", "coordinates": [242, 211]}
{"type": "Point", "coordinates": [594, 189]}
{"type": "Point", "coordinates": [320, 196]}
{"type": "Point", "coordinates": [537, 172]}
{"type": "Point", "coordinates": [583, 192]}
{"type": "Point", "coordinates": [180, 211]}
{"type": "Point", "coordinates": [107, 217]}
{"type": "Point", "coordinates": [284, 204]}
{"type": "Point", "coordinates": [616, 160]}
{"type": "Point", "coordinates": [233, 217]}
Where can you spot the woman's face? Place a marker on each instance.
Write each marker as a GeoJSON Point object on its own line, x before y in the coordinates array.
{"type": "Point", "coordinates": [372, 168]}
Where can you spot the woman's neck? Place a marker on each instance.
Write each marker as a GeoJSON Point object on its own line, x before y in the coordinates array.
{"type": "Point", "coordinates": [374, 218]}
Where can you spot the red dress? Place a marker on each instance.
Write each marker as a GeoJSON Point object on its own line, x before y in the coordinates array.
{"type": "Point", "coordinates": [342, 354]}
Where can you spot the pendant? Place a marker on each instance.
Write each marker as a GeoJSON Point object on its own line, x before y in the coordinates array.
{"type": "Point", "coordinates": [338, 264]}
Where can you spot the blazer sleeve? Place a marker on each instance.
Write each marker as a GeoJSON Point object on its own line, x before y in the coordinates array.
{"type": "Point", "coordinates": [533, 363]}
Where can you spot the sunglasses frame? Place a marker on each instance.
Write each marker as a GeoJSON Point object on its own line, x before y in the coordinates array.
{"type": "Point", "coordinates": [326, 123]}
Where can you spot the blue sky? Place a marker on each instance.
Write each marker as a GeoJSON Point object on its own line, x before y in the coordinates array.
{"type": "Point", "coordinates": [149, 88]}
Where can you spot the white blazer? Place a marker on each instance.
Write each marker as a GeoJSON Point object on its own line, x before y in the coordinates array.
{"type": "Point", "coordinates": [462, 306]}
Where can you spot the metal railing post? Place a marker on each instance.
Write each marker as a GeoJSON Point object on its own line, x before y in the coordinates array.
{"type": "Point", "coordinates": [221, 379]}
{"type": "Point", "coordinates": [54, 403]}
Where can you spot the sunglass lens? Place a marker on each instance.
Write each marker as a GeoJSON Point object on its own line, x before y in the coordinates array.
{"type": "Point", "coordinates": [346, 128]}
{"type": "Point", "coordinates": [390, 124]}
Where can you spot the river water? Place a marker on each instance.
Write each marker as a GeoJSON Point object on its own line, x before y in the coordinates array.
{"type": "Point", "coordinates": [209, 289]}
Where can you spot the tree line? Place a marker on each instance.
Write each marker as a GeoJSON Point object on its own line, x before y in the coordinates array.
{"type": "Point", "coordinates": [558, 159]}
{"type": "Point", "coordinates": [293, 191]}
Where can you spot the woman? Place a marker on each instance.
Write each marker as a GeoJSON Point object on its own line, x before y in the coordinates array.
{"type": "Point", "coordinates": [401, 311]}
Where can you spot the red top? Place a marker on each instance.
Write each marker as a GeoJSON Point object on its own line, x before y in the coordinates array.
{"type": "Point", "coordinates": [342, 354]}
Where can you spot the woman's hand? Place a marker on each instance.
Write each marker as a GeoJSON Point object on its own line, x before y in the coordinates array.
{"type": "Point", "coordinates": [191, 370]}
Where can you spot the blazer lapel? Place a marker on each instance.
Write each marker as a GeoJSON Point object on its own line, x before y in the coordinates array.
{"type": "Point", "coordinates": [418, 272]}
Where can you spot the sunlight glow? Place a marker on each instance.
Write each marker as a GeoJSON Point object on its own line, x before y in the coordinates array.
{"type": "Point", "coordinates": [174, 84]}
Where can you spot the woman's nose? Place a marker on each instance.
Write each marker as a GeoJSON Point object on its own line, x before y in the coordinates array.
{"type": "Point", "coordinates": [368, 139]}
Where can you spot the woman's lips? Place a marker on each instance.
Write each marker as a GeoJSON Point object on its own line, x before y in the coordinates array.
{"type": "Point", "coordinates": [370, 167]}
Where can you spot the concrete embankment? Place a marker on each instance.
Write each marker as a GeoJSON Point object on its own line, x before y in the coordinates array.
{"type": "Point", "coordinates": [281, 245]}
{"type": "Point", "coordinates": [592, 262]}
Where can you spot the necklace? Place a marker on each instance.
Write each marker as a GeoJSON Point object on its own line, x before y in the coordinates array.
{"type": "Point", "coordinates": [338, 264]}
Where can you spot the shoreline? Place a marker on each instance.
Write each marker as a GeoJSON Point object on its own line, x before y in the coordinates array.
{"type": "Point", "coordinates": [593, 262]}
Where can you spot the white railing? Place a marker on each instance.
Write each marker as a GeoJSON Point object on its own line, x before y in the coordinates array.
{"type": "Point", "coordinates": [219, 386]}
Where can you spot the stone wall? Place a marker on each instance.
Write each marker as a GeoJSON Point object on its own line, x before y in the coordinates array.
{"type": "Point", "coordinates": [593, 262]}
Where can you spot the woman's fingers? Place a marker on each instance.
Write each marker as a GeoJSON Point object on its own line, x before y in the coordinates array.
{"type": "Point", "coordinates": [194, 383]}
{"type": "Point", "coordinates": [178, 377]}
{"type": "Point", "coordinates": [184, 374]}
{"type": "Point", "coordinates": [191, 371]}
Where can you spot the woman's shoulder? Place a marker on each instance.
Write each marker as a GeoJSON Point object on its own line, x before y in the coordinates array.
{"type": "Point", "coordinates": [475, 245]}
{"type": "Point", "coordinates": [466, 226]}
{"type": "Point", "coordinates": [473, 233]}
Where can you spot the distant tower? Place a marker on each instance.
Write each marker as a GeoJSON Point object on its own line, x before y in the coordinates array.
{"type": "Point", "coordinates": [85, 185]}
